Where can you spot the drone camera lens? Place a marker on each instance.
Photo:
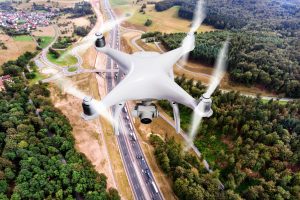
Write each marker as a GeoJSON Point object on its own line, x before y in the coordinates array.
{"type": "Point", "coordinates": [146, 121]}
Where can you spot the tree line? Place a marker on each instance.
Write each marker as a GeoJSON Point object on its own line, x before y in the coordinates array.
{"type": "Point", "coordinates": [80, 9]}
{"type": "Point", "coordinates": [37, 155]}
{"type": "Point", "coordinates": [281, 16]}
{"type": "Point", "coordinates": [255, 59]}
{"type": "Point", "coordinates": [253, 144]}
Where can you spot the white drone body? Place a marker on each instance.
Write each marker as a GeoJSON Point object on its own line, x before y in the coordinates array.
{"type": "Point", "coordinates": [149, 76]}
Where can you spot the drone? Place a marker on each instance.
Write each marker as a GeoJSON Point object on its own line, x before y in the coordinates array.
{"type": "Point", "coordinates": [150, 77]}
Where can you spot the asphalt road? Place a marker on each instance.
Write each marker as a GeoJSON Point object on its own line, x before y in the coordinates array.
{"type": "Point", "coordinates": [140, 176]}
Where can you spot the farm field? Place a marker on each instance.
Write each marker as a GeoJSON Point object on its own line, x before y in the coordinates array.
{"type": "Point", "coordinates": [22, 38]}
{"type": "Point", "coordinates": [44, 31]}
{"type": "Point", "coordinates": [166, 21]}
{"type": "Point", "coordinates": [15, 47]}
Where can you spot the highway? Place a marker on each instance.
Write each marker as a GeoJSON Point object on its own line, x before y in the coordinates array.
{"type": "Point", "coordinates": [138, 172]}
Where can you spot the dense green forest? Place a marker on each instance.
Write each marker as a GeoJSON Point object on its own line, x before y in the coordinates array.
{"type": "Point", "coordinates": [254, 146]}
{"type": "Point", "coordinates": [265, 49]}
{"type": "Point", "coordinates": [37, 155]}
{"type": "Point", "coordinates": [190, 178]}
{"type": "Point", "coordinates": [254, 59]}
{"type": "Point", "coordinates": [80, 9]}
{"type": "Point", "coordinates": [282, 16]}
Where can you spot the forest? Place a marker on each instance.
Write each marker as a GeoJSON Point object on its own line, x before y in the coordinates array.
{"type": "Point", "coordinates": [253, 147]}
{"type": "Point", "coordinates": [80, 9]}
{"type": "Point", "coordinates": [281, 16]}
{"type": "Point", "coordinates": [38, 159]}
{"type": "Point", "coordinates": [190, 178]}
{"type": "Point", "coordinates": [265, 48]}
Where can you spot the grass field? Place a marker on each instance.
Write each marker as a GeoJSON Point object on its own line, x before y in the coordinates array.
{"type": "Point", "coordinates": [45, 41]}
{"type": "Point", "coordinates": [280, 102]}
{"type": "Point", "coordinates": [66, 61]}
{"type": "Point", "coordinates": [38, 77]}
{"type": "Point", "coordinates": [15, 48]}
{"type": "Point", "coordinates": [119, 2]}
{"type": "Point", "coordinates": [166, 21]}
{"type": "Point", "coordinates": [22, 38]}
{"type": "Point", "coordinates": [72, 69]}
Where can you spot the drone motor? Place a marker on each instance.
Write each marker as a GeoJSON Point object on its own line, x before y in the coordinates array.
{"type": "Point", "coordinates": [89, 112]}
{"type": "Point", "coordinates": [206, 110]}
{"type": "Point", "coordinates": [100, 41]}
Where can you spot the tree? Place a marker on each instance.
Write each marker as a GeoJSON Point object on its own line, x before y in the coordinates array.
{"type": "Point", "coordinates": [3, 186]}
{"type": "Point", "coordinates": [148, 22]}
{"type": "Point", "coordinates": [113, 194]}
{"type": "Point", "coordinates": [55, 53]}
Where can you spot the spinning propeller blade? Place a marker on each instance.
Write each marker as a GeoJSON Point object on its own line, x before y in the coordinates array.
{"type": "Point", "coordinates": [189, 41]}
{"type": "Point", "coordinates": [218, 74]}
{"type": "Point", "coordinates": [69, 87]}
{"type": "Point", "coordinates": [89, 40]}
{"type": "Point", "coordinates": [199, 16]}
{"type": "Point", "coordinates": [220, 69]}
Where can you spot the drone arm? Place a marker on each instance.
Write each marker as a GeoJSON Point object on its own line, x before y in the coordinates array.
{"type": "Point", "coordinates": [118, 110]}
{"type": "Point", "coordinates": [174, 93]}
{"type": "Point", "coordinates": [123, 59]}
{"type": "Point", "coordinates": [176, 115]}
{"type": "Point", "coordinates": [118, 94]}
{"type": "Point", "coordinates": [187, 45]}
{"type": "Point", "coordinates": [119, 78]}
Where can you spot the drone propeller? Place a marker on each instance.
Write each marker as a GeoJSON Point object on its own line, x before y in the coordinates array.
{"type": "Point", "coordinates": [203, 109]}
{"type": "Point", "coordinates": [198, 18]}
{"type": "Point", "coordinates": [89, 40]}
{"type": "Point", "coordinates": [219, 70]}
{"type": "Point", "coordinates": [97, 107]}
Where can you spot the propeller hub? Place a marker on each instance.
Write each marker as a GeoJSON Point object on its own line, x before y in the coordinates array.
{"type": "Point", "coordinates": [204, 107]}
{"type": "Point", "coordinates": [87, 100]}
{"type": "Point", "coordinates": [89, 111]}
{"type": "Point", "coordinates": [205, 96]}
{"type": "Point", "coordinates": [99, 35]}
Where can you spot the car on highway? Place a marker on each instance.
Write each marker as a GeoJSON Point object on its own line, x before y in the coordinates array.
{"type": "Point", "coordinates": [154, 187]}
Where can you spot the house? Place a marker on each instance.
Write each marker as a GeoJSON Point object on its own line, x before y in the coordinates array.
{"type": "Point", "coordinates": [3, 79]}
